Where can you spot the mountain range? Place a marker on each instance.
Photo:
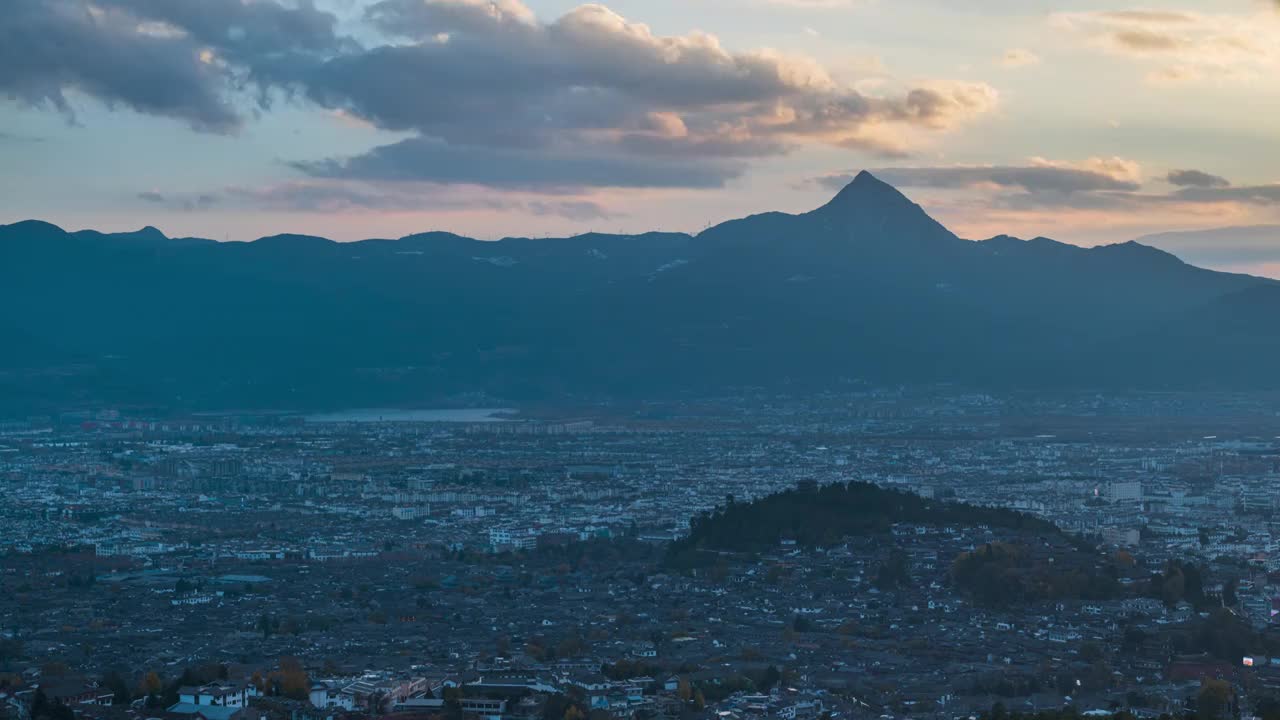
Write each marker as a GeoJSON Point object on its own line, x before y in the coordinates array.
{"type": "Point", "coordinates": [866, 287]}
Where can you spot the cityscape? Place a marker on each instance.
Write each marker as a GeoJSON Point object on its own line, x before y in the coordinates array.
{"type": "Point", "coordinates": [511, 564]}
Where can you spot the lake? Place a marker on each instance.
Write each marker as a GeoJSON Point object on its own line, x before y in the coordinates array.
{"type": "Point", "coordinates": [374, 415]}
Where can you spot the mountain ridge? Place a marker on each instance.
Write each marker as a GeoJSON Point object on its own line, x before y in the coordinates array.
{"type": "Point", "coordinates": [855, 194]}
{"type": "Point", "coordinates": [867, 286]}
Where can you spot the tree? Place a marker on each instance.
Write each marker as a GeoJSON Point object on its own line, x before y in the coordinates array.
{"type": "Point", "coordinates": [894, 572]}
{"type": "Point", "coordinates": [1091, 652]}
{"type": "Point", "coordinates": [114, 682]}
{"type": "Point", "coordinates": [39, 703]}
{"type": "Point", "coordinates": [453, 703]}
{"type": "Point", "coordinates": [1213, 700]}
{"type": "Point", "coordinates": [151, 684]}
{"type": "Point", "coordinates": [1229, 592]}
{"type": "Point", "coordinates": [1173, 589]}
{"type": "Point", "coordinates": [44, 709]}
{"type": "Point", "coordinates": [293, 681]}
{"type": "Point", "coordinates": [10, 649]}
{"type": "Point", "coordinates": [684, 690]}
{"type": "Point", "coordinates": [772, 676]}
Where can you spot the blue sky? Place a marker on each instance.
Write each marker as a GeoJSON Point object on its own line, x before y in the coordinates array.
{"type": "Point", "coordinates": [1086, 121]}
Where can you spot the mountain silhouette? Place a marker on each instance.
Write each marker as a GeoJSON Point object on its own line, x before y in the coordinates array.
{"type": "Point", "coordinates": [866, 287]}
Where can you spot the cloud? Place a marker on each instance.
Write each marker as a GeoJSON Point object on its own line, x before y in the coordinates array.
{"type": "Point", "coordinates": [1036, 178]}
{"type": "Point", "coordinates": [334, 197]}
{"type": "Point", "coordinates": [55, 46]}
{"type": "Point", "coordinates": [1116, 168]}
{"type": "Point", "coordinates": [594, 99]}
{"type": "Point", "coordinates": [1184, 47]}
{"type": "Point", "coordinates": [1112, 185]}
{"type": "Point", "coordinates": [1147, 17]}
{"type": "Point", "coordinates": [251, 29]}
{"type": "Point", "coordinates": [1196, 178]}
{"type": "Point", "coordinates": [524, 168]}
{"type": "Point", "coordinates": [1143, 40]}
{"type": "Point", "coordinates": [1019, 57]}
{"type": "Point", "coordinates": [185, 203]}
{"type": "Point", "coordinates": [571, 209]}
{"type": "Point", "coordinates": [20, 138]}
{"type": "Point", "coordinates": [1251, 194]}
{"type": "Point", "coordinates": [815, 4]}
{"type": "Point", "coordinates": [489, 93]}
{"type": "Point", "coordinates": [181, 59]}
{"type": "Point", "coordinates": [1097, 200]}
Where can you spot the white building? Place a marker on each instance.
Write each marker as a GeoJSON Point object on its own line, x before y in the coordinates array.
{"type": "Point", "coordinates": [1126, 491]}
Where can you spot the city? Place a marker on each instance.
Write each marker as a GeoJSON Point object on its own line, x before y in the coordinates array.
{"type": "Point", "coordinates": [348, 564]}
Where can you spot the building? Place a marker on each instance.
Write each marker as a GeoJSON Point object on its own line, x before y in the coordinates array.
{"type": "Point", "coordinates": [1123, 491]}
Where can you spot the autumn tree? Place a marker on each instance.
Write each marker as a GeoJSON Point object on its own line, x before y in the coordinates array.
{"type": "Point", "coordinates": [291, 680]}
{"type": "Point", "coordinates": [1213, 700]}
{"type": "Point", "coordinates": [152, 685]}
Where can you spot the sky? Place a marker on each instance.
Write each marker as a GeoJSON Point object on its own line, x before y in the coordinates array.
{"type": "Point", "coordinates": [1088, 121]}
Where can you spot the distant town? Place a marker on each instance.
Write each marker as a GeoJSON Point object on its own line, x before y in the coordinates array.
{"type": "Point", "coordinates": [511, 565]}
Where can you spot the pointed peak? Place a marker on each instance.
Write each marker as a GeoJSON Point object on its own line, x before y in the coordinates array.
{"type": "Point", "coordinates": [864, 177]}
{"type": "Point", "coordinates": [864, 180]}
{"type": "Point", "coordinates": [866, 186]}
{"type": "Point", "coordinates": [872, 207]}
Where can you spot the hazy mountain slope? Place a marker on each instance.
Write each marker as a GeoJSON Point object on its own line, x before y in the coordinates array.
{"type": "Point", "coordinates": [1248, 246]}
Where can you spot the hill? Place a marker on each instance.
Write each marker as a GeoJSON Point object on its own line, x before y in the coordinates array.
{"type": "Point", "coordinates": [867, 286]}
{"type": "Point", "coordinates": [1036, 562]}
{"type": "Point", "coordinates": [825, 516]}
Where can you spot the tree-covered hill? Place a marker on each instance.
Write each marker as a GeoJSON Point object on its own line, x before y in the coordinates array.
{"type": "Point", "coordinates": [821, 516]}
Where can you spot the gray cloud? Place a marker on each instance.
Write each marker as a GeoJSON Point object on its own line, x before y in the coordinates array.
{"type": "Point", "coordinates": [186, 203]}
{"type": "Point", "coordinates": [528, 168]}
{"type": "Point", "coordinates": [494, 95]}
{"type": "Point", "coordinates": [328, 197]}
{"type": "Point", "coordinates": [1253, 195]}
{"type": "Point", "coordinates": [1181, 47]}
{"type": "Point", "coordinates": [48, 47]}
{"type": "Point", "coordinates": [258, 43]}
{"type": "Point", "coordinates": [248, 30]}
{"type": "Point", "coordinates": [171, 58]}
{"type": "Point", "coordinates": [571, 209]}
{"type": "Point", "coordinates": [334, 196]}
{"type": "Point", "coordinates": [591, 99]}
{"type": "Point", "coordinates": [1144, 40]}
{"type": "Point", "coordinates": [1033, 179]}
{"type": "Point", "coordinates": [19, 138]}
{"type": "Point", "coordinates": [1154, 17]}
{"type": "Point", "coordinates": [1100, 184]}
{"type": "Point", "coordinates": [1196, 178]}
